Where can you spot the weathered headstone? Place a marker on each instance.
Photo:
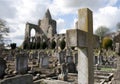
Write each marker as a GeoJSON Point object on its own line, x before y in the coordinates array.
{"type": "Point", "coordinates": [83, 39]}
{"type": "Point", "coordinates": [69, 59]}
{"type": "Point", "coordinates": [2, 67]}
{"type": "Point", "coordinates": [117, 73]}
{"type": "Point", "coordinates": [61, 57]}
{"type": "Point", "coordinates": [75, 58]}
{"type": "Point", "coordinates": [44, 60]}
{"type": "Point", "coordinates": [63, 75]}
{"type": "Point", "coordinates": [21, 63]}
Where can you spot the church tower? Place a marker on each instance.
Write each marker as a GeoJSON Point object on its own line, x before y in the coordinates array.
{"type": "Point", "coordinates": [48, 25]}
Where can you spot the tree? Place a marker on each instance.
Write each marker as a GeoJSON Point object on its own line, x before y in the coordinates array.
{"type": "Point", "coordinates": [4, 30]}
{"type": "Point", "coordinates": [107, 43]}
{"type": "Point", "coordinates": [13, 45]}
{"type": "Point", "coordinates": [102, 31]}
{"type": "Point", "coordinates": [118, 25]}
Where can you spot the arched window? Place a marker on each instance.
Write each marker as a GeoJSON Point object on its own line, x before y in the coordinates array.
{"type": "Point", "coordinates": [32, 34]}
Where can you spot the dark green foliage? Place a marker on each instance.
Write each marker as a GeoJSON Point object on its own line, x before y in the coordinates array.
{"type": "Point", "coordinates": [107, 43]}
{"type": "Point", "coordinates": [53, 45]}
{"type": "Point", "coordinates": [62, 44]}
{"type": "Point", "coordinates": [13, 45]}
{"type": "Point", "coordinates": [43, 45]}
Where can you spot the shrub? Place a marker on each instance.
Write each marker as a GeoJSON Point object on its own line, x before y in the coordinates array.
{"type": "Point", "coordinates": [62, 44]}
{"type": "Point", "coordinates": [107, 43]}
{"type": "Point", "coordinates": [13, 45]}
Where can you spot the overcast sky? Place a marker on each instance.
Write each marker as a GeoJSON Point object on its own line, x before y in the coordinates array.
{"type": "Point", "coordinates": [18, 12]}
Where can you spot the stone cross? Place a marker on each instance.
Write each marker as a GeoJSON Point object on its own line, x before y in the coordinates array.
{"type": "Point", "coordinates": [82, 38]}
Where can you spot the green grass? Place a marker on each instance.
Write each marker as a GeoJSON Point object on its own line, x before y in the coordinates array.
{"type": "Point", "coordinates": [107, 69]}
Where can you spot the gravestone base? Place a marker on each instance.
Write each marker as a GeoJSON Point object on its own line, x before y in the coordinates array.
{"type": "Point", "coordinates": [62, 77]}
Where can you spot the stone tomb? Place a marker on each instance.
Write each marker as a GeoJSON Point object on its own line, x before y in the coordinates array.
{"type": "Point", "coordinates": [82, 38]}
{"type": "Point", "coordinates": [21, 63]}
{"type": "Point", "coordinates": [2, 67]}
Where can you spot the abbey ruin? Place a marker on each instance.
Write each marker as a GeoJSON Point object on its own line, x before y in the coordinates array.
{"type": "Point", "coordinates": [45, 31]}
{"type": "Point", "coordinates": [75, 57]}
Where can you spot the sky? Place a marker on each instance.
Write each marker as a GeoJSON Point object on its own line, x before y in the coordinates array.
{"type": "Point", "coordinates": [17, 12]}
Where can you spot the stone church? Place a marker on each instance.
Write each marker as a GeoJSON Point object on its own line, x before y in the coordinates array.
{"type": "Point", "coordinates": [45, 30]}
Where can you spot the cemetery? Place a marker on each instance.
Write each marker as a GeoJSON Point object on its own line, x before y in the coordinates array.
{"type": "Point", "coordinates": [75, 57]}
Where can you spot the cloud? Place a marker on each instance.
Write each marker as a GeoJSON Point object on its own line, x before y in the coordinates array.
{"type": "Point", "coordinates": [6, 9]}
{"type": "Point", "coordinates": [17, 13]}
{"type": "Point", "coordinates": [62, 7]}
{"type": "Point", "coordinates": [107, 16]}
{"type": "Point", "coordinates": [61, 26]}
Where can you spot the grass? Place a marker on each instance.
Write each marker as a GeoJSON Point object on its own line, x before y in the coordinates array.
{"type": "Point", "coordinates": [107, 69]}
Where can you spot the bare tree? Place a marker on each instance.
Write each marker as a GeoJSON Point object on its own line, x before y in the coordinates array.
{"type": "Point", "coordinates": [102, 31]}
{"type": "Point", "coordinates": [118, 25]}
{"type": "Point", "coordinates": [4, 30]}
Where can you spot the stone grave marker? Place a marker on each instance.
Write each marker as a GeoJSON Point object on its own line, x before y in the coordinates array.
{"type": "Point", "coordinates": [61, 57]}
{"type": "Point", "coordinates": [21, 63]}
{"type": "Point", "coordinates": [69, 59]}
{"type": "Point", "coordinates": [44, 60]}
{"type": "Point", "coordinates": [117, 73]}
{"type": "Point", "coordinates": [2, 67]}
{"type": "Point", "coordinates": [82, 38]}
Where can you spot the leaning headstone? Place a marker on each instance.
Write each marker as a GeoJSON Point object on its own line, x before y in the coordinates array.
{"type": "Point", "coordinates": [2, 67]}
{"type": "Point", "coordinates": [82, 38]}
{"type": "Point", "coordinates": [21, 63]}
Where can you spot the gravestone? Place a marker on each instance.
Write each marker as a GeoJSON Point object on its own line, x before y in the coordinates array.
{"type": "Point", "coordinates": [117, 73]}
{"type": "Point", "coordinates": [75, 58]}
{"type": "Point", "coordinates": [63, 75]}
{"type": "Point", "coordinates": [61, 57]}
{"type": "Point", "coordinates": [82, 38]}
{"type": "Point", "coordinates": [44, 60]}
{"type": "Point", "coordinates": [95, 59]}
{"type": "Point", "coordinates": [2, 67]}
{"type": "Point", "coordinates": [21, 63]}
{"type": "Point", "coordinates": [69, 59]}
